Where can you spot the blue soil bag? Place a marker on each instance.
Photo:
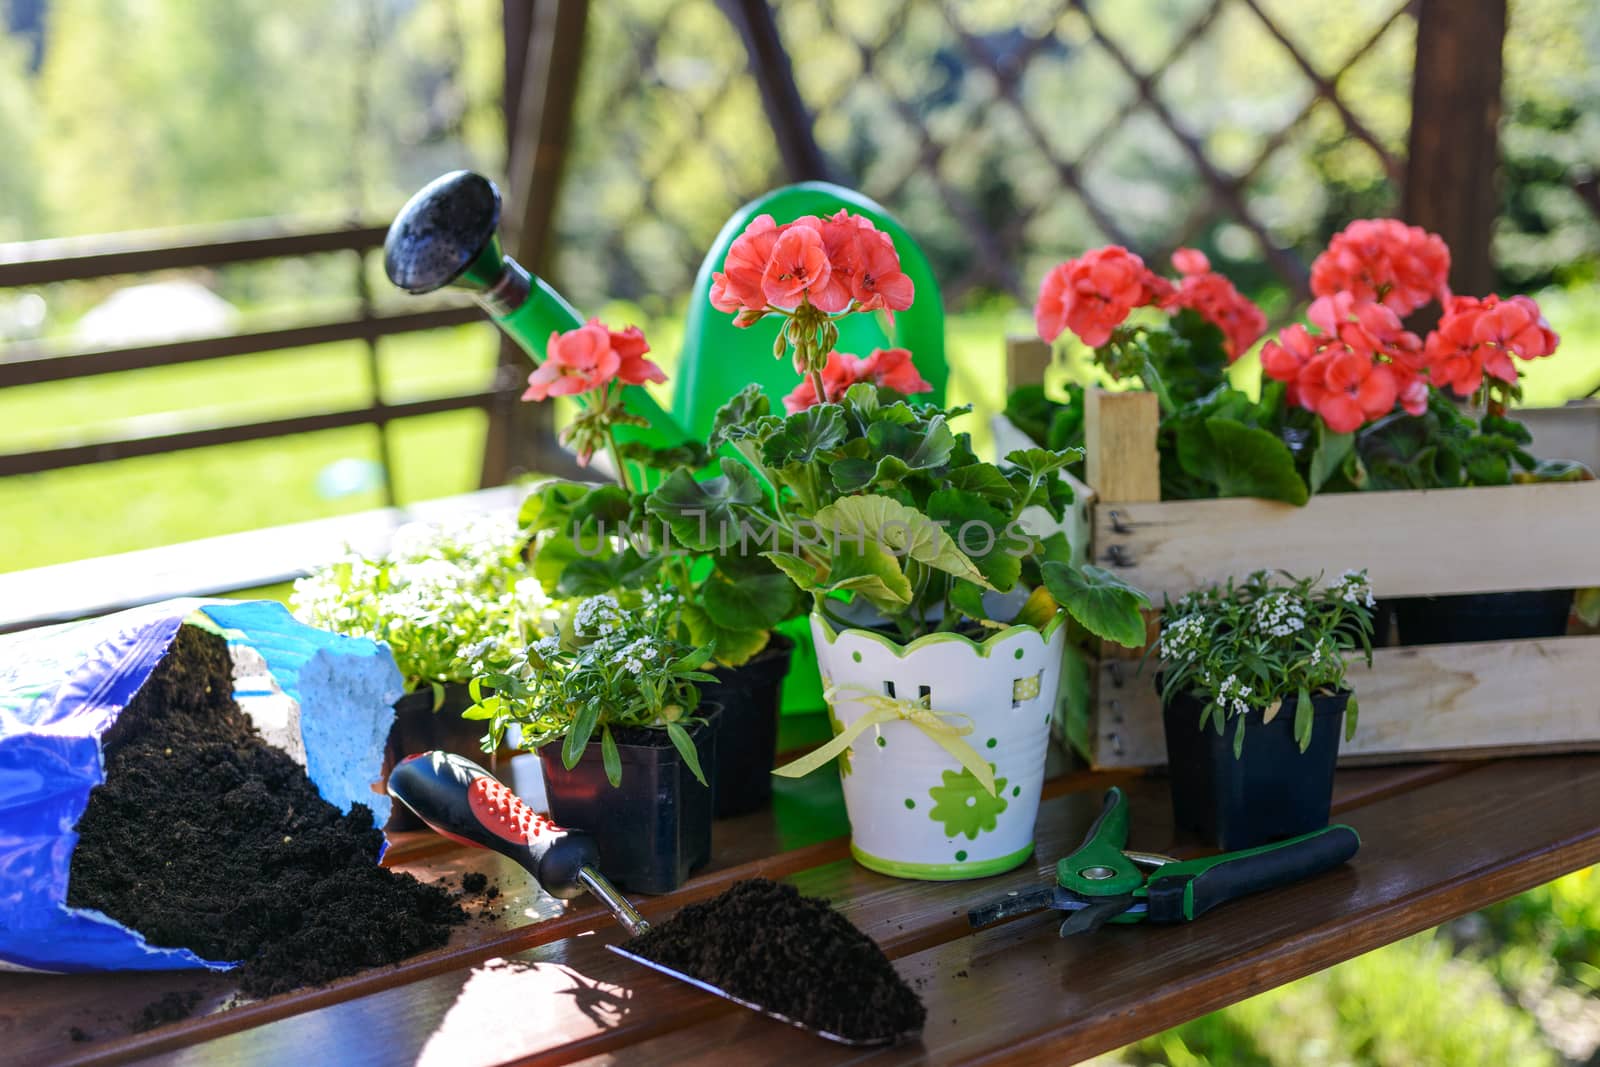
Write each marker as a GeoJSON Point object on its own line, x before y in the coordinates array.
{"type": "Point", "coordinates": [323, 698]}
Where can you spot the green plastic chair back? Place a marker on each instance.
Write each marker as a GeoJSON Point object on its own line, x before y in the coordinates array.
{"type": "Point", "coordinates": [719, 358]}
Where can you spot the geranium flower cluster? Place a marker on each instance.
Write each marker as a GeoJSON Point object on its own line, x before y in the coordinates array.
{"type": "Point", "coordinates": [1363, 362]}
{"type": "Point", "coordinates": [589, 358]}
{"type": "Point", "coordinates": [1094, 294]}
{"type": "Point", "coordinates": [1356, 369]}
{"type": "Point", "coordinates": [812, 271]}
{"type": "Point", "coordinates": [837, 264]}
{"type": "Point", "coordinates": [890, 368]}
{"type": "Point", "coordinates": [594, 361]}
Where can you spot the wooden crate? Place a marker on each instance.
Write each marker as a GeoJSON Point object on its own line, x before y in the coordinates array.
{"type": "Point", "coordinates": [1416, 702]}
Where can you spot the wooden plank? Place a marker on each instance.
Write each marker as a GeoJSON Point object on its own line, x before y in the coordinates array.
{"type": "Point", "coordinates": [1416, 702]}
{"type": "Point", "coordinates": [452, 1012]}
{"type": "Point", "coordinates": [104, 450]}
{"type": "Point", "coordinates": [1170, 548]}
{"type": "Point", "coordinates": [139, 252]}
{"type": "Point", "coordinates": [1027, 359]}
{"type": "Point", "coordinates": [51, 362]}
{"type": "Point", "coordinates": [222, 564]}
{"type": "Point", "coordinates": [1022, 994]}
{"type": "Point", "coordinates": [1119, 430]}
{"type": "Point", "coordinates": [1568, 432]}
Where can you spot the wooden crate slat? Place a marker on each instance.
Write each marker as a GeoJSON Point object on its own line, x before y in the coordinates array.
{"type": "Point", "coordinates": [1411, 543]}
{"type": "Point", "coordinates": [1416, 702]}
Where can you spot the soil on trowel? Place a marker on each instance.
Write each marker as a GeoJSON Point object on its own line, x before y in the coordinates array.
{"type": "Point", "coordinates": [205, 837]}
{"type": "Point", "coordinates": [763, 942]}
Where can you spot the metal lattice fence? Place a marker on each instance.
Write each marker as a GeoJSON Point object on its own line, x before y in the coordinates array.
{"type": "Point", "coordinates": [1006, 135]}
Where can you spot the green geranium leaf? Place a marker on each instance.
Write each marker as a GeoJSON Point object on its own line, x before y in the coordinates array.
{"type": "Point", "coordinates": [688, 454]}
{"type": "Point", "coordinates": [979, 530]}
{"type": "Point", "coordinates": [734, 646]}
{"type": "Point", "coordinates": [800, 572]}
{"type": "Point", "coordinates": [1107, 606]}
{"type": "Point", "coordinates": [902, 530]}
{"type": "Point", "coordinates": [984, 479]}
{"type": "Point", "coordinates": [699, 513]}
{"type": "Point", "coordinates": [550, 506]}
{"type": "Point", "coordinates": [555, 555]}
{"type": "Point", "coordinates": [1329, 456]}
{"type": "Point", "coordinates": [967, 599]}
{"type": "Point", "coordinates": [870, 570]}
{"type": "Point", "coordinates": [737, 418]}
{"type": "Point", "coordinates": [606, 507]}
{"type": "Point", "coordinates": [1240, 460]}
{"type": "Point", "coordinates": [805, 434]}
{"type": "Point", "coordinates": [1039, 462]}
{"type": "Point", "coordinates": [896, 450]}
{"type": "Point", "coordinates": [753, 603]}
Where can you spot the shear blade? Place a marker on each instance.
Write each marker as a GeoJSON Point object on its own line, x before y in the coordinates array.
{"type": "Point", "coordinates": [1090, 917]}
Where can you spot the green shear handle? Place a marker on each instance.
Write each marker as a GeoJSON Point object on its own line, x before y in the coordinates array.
{"type": "Point", "coordinates": [1103, 882]}
{"type": "Point", "coordinates": [1178, 892]}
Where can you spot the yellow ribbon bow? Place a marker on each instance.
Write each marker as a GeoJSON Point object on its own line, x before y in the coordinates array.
{"type": "Point", "coordinates": [936, 725]}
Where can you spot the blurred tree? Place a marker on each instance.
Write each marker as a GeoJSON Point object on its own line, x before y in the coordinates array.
{"type": "Point", "coordinates": [20, 175]}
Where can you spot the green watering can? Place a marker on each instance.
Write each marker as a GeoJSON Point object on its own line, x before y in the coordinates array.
{"type": "Point", "coordinates": [446, 235]}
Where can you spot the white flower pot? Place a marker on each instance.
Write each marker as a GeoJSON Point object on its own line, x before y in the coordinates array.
{"type": "Point", "coordinates": [915, 811]}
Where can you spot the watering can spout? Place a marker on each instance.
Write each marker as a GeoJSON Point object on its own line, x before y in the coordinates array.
{"type": "Point", "coordinates": [446, 235]}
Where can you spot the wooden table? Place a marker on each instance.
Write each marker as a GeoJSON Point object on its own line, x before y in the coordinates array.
{"type": "Point", "coordinates": [535, 985]}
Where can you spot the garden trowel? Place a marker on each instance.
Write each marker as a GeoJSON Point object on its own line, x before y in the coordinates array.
{"type": "Point", "coordinates": [464, 802]}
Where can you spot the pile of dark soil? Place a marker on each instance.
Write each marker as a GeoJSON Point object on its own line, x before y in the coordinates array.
{"type": "Point", "coordinates": [763, 942]}
{"type": "Point", "coordinates": [205, 837]}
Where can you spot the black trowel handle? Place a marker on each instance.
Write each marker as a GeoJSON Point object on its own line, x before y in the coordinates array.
{"type": "Point", "coordinates": [461, 800]}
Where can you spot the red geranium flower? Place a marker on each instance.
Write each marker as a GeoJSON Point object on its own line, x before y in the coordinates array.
{"type": "Point", "coordinates": [1092, 295]}
{"type": "Point", "coordinates": [799, 270]}
{"type": "Point", "coordinates": [865, 260]}
{"type": "Point", "coordinates": [1214, 296]}
{"type": "Point", "coordinates": [1356, 370]}
{"type": "Point", "coordinates": [1385, 261]}
{"type": "Point", "coordinates": [737, 287]}
{"type": "Point", "coordinates": [890, 368]}
{"type": "Point", "coordinates": [1478, 337]}
{"type": "Point", "coordinates": [591, 357]}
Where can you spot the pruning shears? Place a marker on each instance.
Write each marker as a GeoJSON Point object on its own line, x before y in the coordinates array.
{"type": "Point", "coordinates": [1102, 881]}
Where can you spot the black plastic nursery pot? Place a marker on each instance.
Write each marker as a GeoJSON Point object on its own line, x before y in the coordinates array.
{"type": "Point", "coordinates": [654, 828]}
{"type": "Point", "coordinates": [1270, 792]}
{"type": "Point", "coordinates": [1445, 620]}
{"type": "Point", "coordinates": [747, 731]}
{"type": "Point", "coordinates": [419, 728]}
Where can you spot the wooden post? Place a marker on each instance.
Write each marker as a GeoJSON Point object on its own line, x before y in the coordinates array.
{"type": "Point", "coordinates": [780, 96]}
{"type": "Point", "coordinates": [1119, 430]}
{"type": "Point", "coordinates": [1454, 144]}
{"type": "Point", "coordinates": [544, 51]}
{"type": "Point", "coordinates": [1027, 358]}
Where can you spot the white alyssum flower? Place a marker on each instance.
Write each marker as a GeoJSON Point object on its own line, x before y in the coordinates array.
{"type": "Point", "coordinates": [1353, 588]}
{"type": "Point", "coordinates": [1280, 615]}
{"type": "Point", "coordinates": [1183, 639]}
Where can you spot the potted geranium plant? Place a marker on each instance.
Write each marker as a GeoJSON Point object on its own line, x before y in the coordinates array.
{"type": "Point", "coordinates": [593, 539]}
{"type": "Point", "coordinates": [1399, 399]}
{"type": "Point", "coordinates": [444, 596]}
{"type": "Point", "coordinates": [1254, 687]}
{"type": "Point", "coordinates": [637, 755]}
{"type": "Point", "coordinates": [1177, 339]}
{"type": "Point", "coordinates": [940, 621]}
